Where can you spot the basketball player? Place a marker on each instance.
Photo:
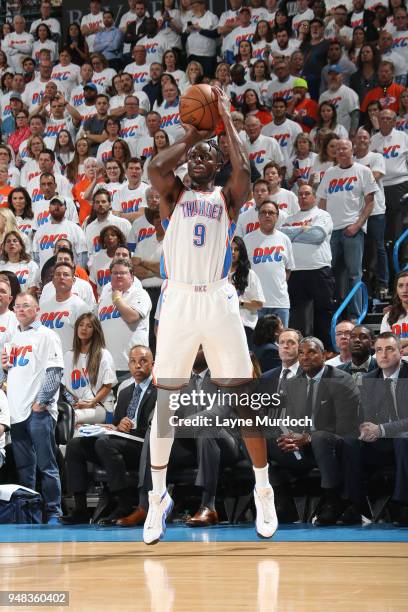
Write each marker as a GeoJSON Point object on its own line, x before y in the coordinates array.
{"type": "Point", "coordinates": [199, 306]}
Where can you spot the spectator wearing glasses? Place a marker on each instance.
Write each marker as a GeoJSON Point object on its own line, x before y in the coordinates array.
{"type": "Point", "coordinates": [342, 333]}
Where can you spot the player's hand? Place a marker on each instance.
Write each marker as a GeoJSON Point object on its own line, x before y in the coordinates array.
{"type": "Point", "coordinates": [193, 135]}
{"type": "Point", "coordinates": [223, 102]}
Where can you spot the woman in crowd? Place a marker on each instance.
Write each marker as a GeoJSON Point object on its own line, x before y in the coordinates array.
{"type": "Point", "coordinates": [326, 157]}
{"type": "Point", "coordinates": [115, 176]}
{"type": "Point", "coordinates": [222, 74]}
{"type": "Point", "coordinates": [371, 120]}
{"type": "Point", "coordinates": [169, 22]}
{"type": "Point", "coordinates": [43, 40]}
{"type": "Point", "coordinates": [303, 161]}
{"type": "Point", "coordinates": [121, 151]}
{"type": "Point", "coordinates": [6, 81]}
{"type": "Point", "coordinates": [282, 20]}
{"type": "Point", "coordinates": [303, 33]}
{"type": "Point", "coordinates": [265, 341]}
{"type": "Point", "coordinates": [22, 131]}
{"type": "Point", "coordinates": [75, 170]}
{"type": "Point", "coordinates": [402, 119]}
{"type": "Point", "coordinates": [194, 75]}
{"type": "Point", "coordinates": [112, 128]}
{"type": "Point", "coordinates": [170, 63]}
{"type": "Point", "coordinates": [244, 55]}
{"type": "Point", "coordinates": [16, 259]}
{"type": "Point", "coordinates": [111, 238]}
{"type": "Point", "coordinates": [160, 141]}
{"type": "Point", "coordinates": [365, 77]}
{"type": "Point", "coordinates": [64, 149]}
{"type": "Point", "coordinates": [83, 191]}
{"type": "Point", "coordinates": [396, 319]}
{"type": "Point", "coordinates": [357, 42]}
{"type": "Point", "coordinates": [261, 75]}
{"type": "Point", "coordinates": [248, 287]}
{"type": "Point", "coordinates": [170, 110]}
{"type": "Point", "coordinates": [89, 372]}
{"type": "Point", "coordinates": [252, 106]}
{"type": "Point", "coordinates": [102, 75]}
{"type": "Point", "coordinates": [19, 202]}
{"type": "Point", "coordinates": [6, 158]}
{"type": "Point", "coordinates": [327, 119]}
{"type": "Point", "coordinates": [8, 223]}
{"type": "Point", "coordinates": [77, 44]}
{"type": "Point", "coordinates": [261, 41]}
{"type": "Point", "coordinates": [35, 146]}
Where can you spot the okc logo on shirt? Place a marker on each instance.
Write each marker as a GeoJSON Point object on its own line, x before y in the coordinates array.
{"type": "Point", "coordinates": [48, 242]}
{"type": "Point", "coordinates": [286, 94]}
{"type": "Point", "coordinates": [109, 312]}
{"type": "Point", "coordinates": [399, 42]}
{"type": "Point", "coordinates": [242, 37]}
{"type": "Point", "coordinates": [392, 151]}
{"type": "Point", "coordinates": [19, 355]}
{"type": "Point", "coordinates": [52, 131]}
{"type": "Point", "coordinates": [282, 139]}
{"type": "Point", "coordinates": [151, 48]}
{"type": "Point", "coordinates": [61, 76]}
{"type": "Point", "coordinates": [402, 125]}
{"type": "Point", "coordinates": [129, 132]}
{"type": "Point", "coordinates": [106, 155]}
{"type": "Point", "coordinates": [139, 77]}
{"type": "Point", "coordinates": [268, 254]}
{"type": "Point", "coordinates": [37, 195]}
{"type": "Point", "coordinates": [33, 175]}
{"type": "Point", "coordinates": [335, 101]}
{"type": "Point", "coordinates": [131, 205]}
{"type": "Point", "coordinates": [43, 218]}
{"type": "Point", "coordinates": [145, 232]}
{"type": "Point", "coordinates": [258, 156]}
{"type": "Point", "coordinates": [36, 99]}
{"type": "Point", "coordinates": [251, 227]}
{"type": "Point", "coordinates": [103, 277]}
{"type": "Point", "coordinates": [304, 223]}
{"type": "Point", "coordinates": [169, 120]}
{"type": "Point", "coordinates": [79, 378]}
{"type": "Point", "coordinates": [342, 184]}
{"type": "Point", "coordinates": [304, 172]}
{"type": "Point", "coordinates": [400, 330]}
{"type": "Point", "coordinates": [258, 53]}
{"type": "Point", "coordinates": [147, 152]}
{"type": "Point", "coordinates": [96, 244]}
{"type": "Point", "coordinates": [7, 110]}
{"type": "Point", "coordinates": [24, 228]}
{"type": "Point", "coordinates": [78, 100]}
{"type": "Point", "coordinates": [22, 276]}
{"type": "Point", "coordinates": [54, 320]}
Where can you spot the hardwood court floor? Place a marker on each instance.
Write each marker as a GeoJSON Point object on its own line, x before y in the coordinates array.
{"type": "Point", "coordinates": [213, 576]}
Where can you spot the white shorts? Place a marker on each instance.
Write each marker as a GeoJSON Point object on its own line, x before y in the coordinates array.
{"type": "Point", "coordinates": [201, 314]}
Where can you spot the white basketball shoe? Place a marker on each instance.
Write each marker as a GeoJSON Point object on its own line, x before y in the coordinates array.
{"type": "Point", "coordinates": [155, 523]}
{"type": "Point", "coordinates": [266, 520]}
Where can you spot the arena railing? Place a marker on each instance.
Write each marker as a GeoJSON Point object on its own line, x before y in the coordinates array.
{"type": "Point", "coordinates": [395, 252]}
{"type": "Point", "coordinates": [360, 286]}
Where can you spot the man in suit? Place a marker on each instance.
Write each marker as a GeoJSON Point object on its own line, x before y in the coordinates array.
{"type": "Point", "coordinates": [133, 411]}
{"type": "Point", "coordinates": [288, 348]}
{"type": "Point", "coordinates": [361, 346]}
{"type": "Point", "coordinates": [383, 433]}
{"type": "Point", "coordinates": [330, 399]}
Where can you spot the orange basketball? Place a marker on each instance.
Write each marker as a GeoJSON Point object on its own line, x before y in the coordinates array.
{"type": "Point", "coordinates": [199, 107]}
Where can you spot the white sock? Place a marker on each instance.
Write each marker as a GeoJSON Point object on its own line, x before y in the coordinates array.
{"type": "Point", "coordinates": [160, 448]}
{"type": "Point", "coordinates": [261, 477]}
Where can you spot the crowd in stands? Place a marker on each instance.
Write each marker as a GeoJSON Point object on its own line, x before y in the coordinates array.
{"type": "Point", "coordinates": [318, 93]}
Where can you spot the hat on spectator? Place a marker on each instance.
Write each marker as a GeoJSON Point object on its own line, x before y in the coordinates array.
{"type": "Point", "coordinates": [90, 85]}
{"type": "Point", "coordinates": [59, 199]}
{"type": "Point", "coordinates": [335, 68]}
{"type": "Point", "coordinates": [300, 83]}
{"type": "Point", "coordinates": [15, 95]}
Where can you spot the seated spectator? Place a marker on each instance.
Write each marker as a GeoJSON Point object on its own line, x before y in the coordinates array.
{"type": "Point", "coordinates": [265, 345]}
{"type": "Point", "coordinates": [321, 443]}
{"type": "Point", "coordinates": [89, 372]}
{"type": "Point", "coordinates": [133, 410]}
{"type": "Point", "coordinates": [396, 319]}
{"type": "Point", "coordinates": [99, 272]}
{"type": "Point", "coordinates": [361, 346]}
{"type": "Point", "coordinates": [342, 333]}
{"type": "Point", "coordinates": [33, 381]}
{"type": "Point", "coordinates": [123, 311]}
{"type": "Point", "coordinates": [383, 434]}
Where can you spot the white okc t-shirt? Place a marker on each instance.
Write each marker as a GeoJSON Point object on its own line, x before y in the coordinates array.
{"type": "Point", "coordinates": [311, 256]}
{"type": "Point", "coordinates": [61, 317]}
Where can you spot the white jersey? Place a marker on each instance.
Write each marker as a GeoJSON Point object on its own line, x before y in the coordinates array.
{"type": "Point", "coordinates": [394, 149]}
{"type": "Point", "coordinates": [345, 101]}
{"type": "Point", "coordinates": [67, 77]}
{"type": "Point", "coordinates": [42, 215]}
{"type": "Point", "coordinates": [80, 288]}
{"type": "Point", "coordinates": [199, 223]}
{"type": "Point", "coordinates": [140, 74]}
{"type": "Point", "coordinates": [33, 94]}
{"type": "Point", "coordinates": [151, 250]}
{"type": "Point", "coordinates": [263, 150]}
{"type": "Point", "coordinates": [47, 235]}
{"type": "Point", "coordinates": [8, 327]}
{"type": "Point", "coordinates": [31, 353]}
{"type": "Point", "coordinates": [99, 271]}
{"type": "Point", "coordinates": [27, 272]}
{"type": "Point", "coordinates": [141, 230]}
{"type": "Point", "coordinates": [279, 89]}
{"type": "Point", "coordinates": [131, 130]}
{"type": "Point", "coordinates": [61, 317]}
{"type": "Point", "coordinates": [76, 377]}
{"type": "Point", "coordinates": [375, 162]}
{"type": "Point", "coordinates": [93, 230]}
{"type": "Point", "coordinates": [128, 200]}
{"type": "Point", "coordinates": [253, 291]}
{"type": "Point", "coordinates": [310, 256]}
{"type": "Point", "coordinates": [94, 23]}
{"type": "Point", "coordinates": [285, 134]}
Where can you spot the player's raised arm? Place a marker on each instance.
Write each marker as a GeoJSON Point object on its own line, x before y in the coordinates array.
{"type": "Point", "coordinates": [238, 186]}
{"type": "Point", "coordinates": [161, 168]}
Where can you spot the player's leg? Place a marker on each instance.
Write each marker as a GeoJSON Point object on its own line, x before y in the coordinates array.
{"type": "Point", "coordinates": [177, 345]}
{"type": "Point", "coordinates": [228, 359]}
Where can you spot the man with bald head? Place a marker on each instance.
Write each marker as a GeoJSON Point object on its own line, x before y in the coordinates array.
{"type": "Point", "coordinates": [340, 193]}
{"type": "Point", "coordinates": [393, 145]}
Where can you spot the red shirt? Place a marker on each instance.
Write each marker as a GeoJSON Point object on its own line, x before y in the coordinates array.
{"type": "Point", "coordinates": [307, 108]}
{"type": "Point", "coordinates": [388, 97]}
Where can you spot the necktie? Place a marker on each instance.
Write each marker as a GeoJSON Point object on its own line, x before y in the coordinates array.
{"type": "Point", "coordinates": [309, 398]}
{"type": "Point", "coordinates": [197, 381]}
{"type": "Point", "coordinates": [389, 412]}
{"type": "Point", "coordinates": [134, 403]}
{"type": "Point", "coordinates": [283, 378]}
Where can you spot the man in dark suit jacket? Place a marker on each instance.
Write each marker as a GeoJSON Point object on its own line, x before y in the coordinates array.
{"type": "Point", "coordinates": [134, 408]}
{"type": "Point", "coordinates": [383, 432]}
{"type": "Point", "coordinates": [330, 399]}
{"type": "Point", "coordinates": [361, 345]}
